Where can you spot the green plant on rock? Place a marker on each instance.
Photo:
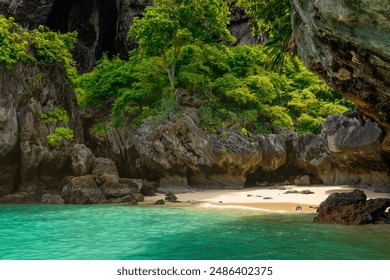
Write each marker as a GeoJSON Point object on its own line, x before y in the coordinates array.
{"type": "Point", "coordinates": [98, 130]}
{"type": "Point", "coordinates": [57, 115]}
{"type": "Point", "coordinates": [13, 42]}
{"type": "Point", "coordinates": [40, 46]}
{"type": "Point", "coordinates": [60, 134]}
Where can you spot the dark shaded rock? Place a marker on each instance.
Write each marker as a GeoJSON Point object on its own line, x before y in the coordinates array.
{"type": "Point", "coordinates": [160, 202]}
{"type": "Point", "coordinates": [115, 190]}
{"type": "Point", "coordinates": [106, 178]}
{"type": "Point", "coordinates": [139, 197]}
{"type": "Point", "coordinates": [148, 188]}
{"type": "Point", "coordinates": [170, 197]}
{"type": "Point", "coordinates": [302, 181]}
{"type": "Point", "coordinates": [19, 198]}
{"type": "Point", "coordinates": [345, 199]}
{"type": "Point", "coordinates": [306, 192]}
{"type": "Point", "coordinates": [347, 44]}
{"type": "Point", "coordinates": [82, 190]}
{"type": "Point", "coordinates": [52, 199]}
{"type": "Point", "coordinates": [82, 160]}
{"type": "Point", "coordinates": [104, 166]}
{"type": "Point", "coordinates": [239, 28]}
{"type": "Point", "coordinates": [267, 198]}
{"type": "Point", "coordinates": [291, 192]}
{"type": "Point", "coordinates": [132, 183]}
{"type": "Point", "coordinates": [352, 209]}
{"type": "Point", "coordinates": [129, 199]}
{"type": "Point", "coordinates": [27, 162]}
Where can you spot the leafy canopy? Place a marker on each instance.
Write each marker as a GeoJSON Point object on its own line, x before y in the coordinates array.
{"type": "Point", "coordinates": [39, 46]}
{"type": "Point", "coordinates": [168, 25]}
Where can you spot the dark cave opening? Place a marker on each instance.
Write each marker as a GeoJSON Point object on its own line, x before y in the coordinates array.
{"type": "Point", "coordinates": [95, 22]}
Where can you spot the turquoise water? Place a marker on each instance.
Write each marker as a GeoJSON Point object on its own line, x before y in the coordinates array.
{"type": "Point", "coordinates": [120, 232]}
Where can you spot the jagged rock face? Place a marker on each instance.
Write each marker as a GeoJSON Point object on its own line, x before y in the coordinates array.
{"type": "Point", "coordinates": [183, 153]}
{"type": "Point", "coordinates": [239, 28]}
{"type": "Point", "coordinates": [352, 209]}
{"type": "Point", "coordinates": [348, 151]}
{"type": "Point", "coordinates": [347, 44]}
{"type": "Point", "coordinates": [27, 163]}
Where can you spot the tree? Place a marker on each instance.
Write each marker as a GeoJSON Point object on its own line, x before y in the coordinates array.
{"type": "Point", "coordinates": [272, 17]}
{"type": "Point", "coordinates": [168, 25]}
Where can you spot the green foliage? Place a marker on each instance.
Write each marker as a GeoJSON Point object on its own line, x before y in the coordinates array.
{"type": "Point", "coordinates": [169, 109]}
{"type": "Point", "coordinates": [273, 18]}
{"type": "Point", "coordinates": [232, 86]}
{"type": "Point", "coordinates": [13, 44]}
{"type": "Point", "coordinates": [57, 115]}
{"type": "Point", "coordinates": [60, 134]}
{"type": "Point", "coordinates": [98, 130]}
{"type": "Point", "coordinates": [124, 85]}
{"type": "Point", "coordinates": [167, 26]}
{"type": "Point", "coordinates": [40, 46]}
{"type": "Point", "coordinates": [49, 46]}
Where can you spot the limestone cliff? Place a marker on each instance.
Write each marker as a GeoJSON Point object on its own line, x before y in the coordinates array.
{"type": "Point", "coordinates": [348, 151]}
{"type": "Point", "coordinates": [27, 162]}
{"type": "Point", "coordinates": [347, 44]}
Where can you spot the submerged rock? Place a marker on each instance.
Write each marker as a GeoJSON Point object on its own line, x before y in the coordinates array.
{"type": "Point", "coordinates": [52, 199]}
{"type": "Point", "coordinates": [352, 209]}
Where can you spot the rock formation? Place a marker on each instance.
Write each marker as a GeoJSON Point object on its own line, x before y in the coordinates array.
{"type": "Point", "coordinates": [31, 170]}
{"type": "Point", "coordinates": [27, 162]}
{"type": "Point", "coordinates": [353, 209]}
{"type": "Point", "coordinates": [348, 151]}
{"type": "Point", "coordinates": [347, 44]}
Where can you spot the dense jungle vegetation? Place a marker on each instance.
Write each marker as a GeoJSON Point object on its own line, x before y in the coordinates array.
{"type": "Point", "coordinates": [187, 58]}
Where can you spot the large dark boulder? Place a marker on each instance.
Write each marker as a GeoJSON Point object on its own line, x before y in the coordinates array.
{"type": "Point", "coordinates": [82, 190]}
{"type": "Point", "coordinates": [116, 190]}
{"type": "Point", "coordinates": [352, 209]}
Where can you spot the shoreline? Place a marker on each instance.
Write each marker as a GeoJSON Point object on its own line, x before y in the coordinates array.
{"type": "Point", "coordinates": [270, 199]}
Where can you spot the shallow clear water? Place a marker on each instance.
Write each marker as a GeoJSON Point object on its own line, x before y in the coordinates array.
{"type": "Point", "coordinates": [139, 232]}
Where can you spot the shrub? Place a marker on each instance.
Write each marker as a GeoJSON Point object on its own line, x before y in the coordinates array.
{"type": "Point", "coordinates": [60, 134]}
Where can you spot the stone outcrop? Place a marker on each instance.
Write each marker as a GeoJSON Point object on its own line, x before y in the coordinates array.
{"type": "Point", "coordinates": [352, 209]}
{"type": "Point", "coordinates": [185, 154]}
{"type": "Point", "coordinates": [347, 44]}
{"type": "Point", "coordinates": [27, 162]}
{"type": "Point", "coordinates": [348, 151]}
{"type": "Point", "coordinates": [82, 190]}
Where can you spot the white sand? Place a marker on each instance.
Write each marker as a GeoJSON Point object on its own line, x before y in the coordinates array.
{"type": "Point", "coordinates": [254, 197]}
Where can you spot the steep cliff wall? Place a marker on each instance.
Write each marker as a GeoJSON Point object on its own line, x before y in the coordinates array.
{"type": "Point", "coordinates": [27, 162]}
{"type": "Point", "coordinates": [347, 44]}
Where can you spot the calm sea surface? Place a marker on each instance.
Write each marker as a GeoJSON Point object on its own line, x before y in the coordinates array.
{"type": "Point", "coordinates": [117, 232]}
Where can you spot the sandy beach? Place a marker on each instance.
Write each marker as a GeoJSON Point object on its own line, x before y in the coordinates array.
{"type": "Point", "coordinates": [272, 198]}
